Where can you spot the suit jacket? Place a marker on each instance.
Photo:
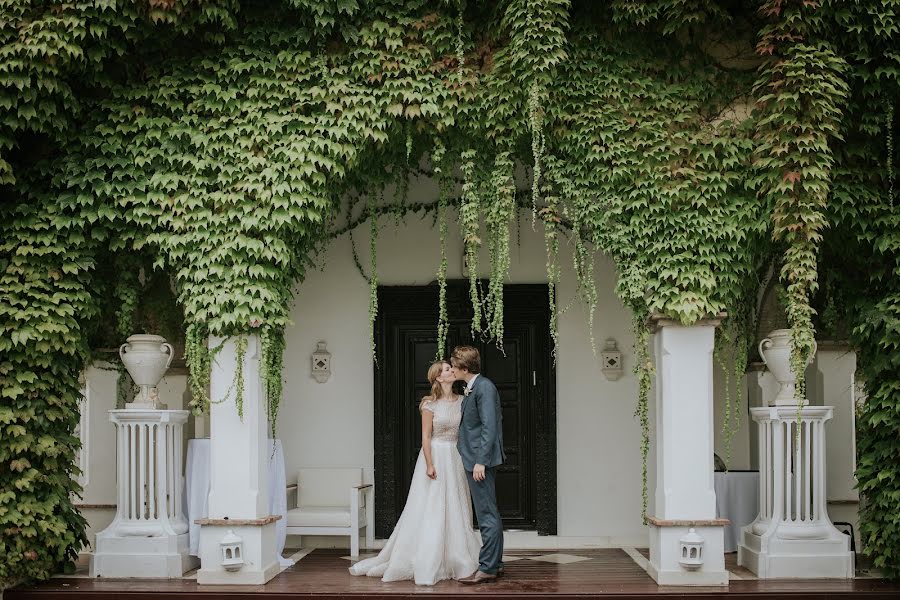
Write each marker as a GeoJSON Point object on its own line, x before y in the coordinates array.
{"type": "Point", "coordinates": [481, 426]}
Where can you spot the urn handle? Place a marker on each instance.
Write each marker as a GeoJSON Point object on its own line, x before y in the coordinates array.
{"type": "Point", "coordinates": [122, 351]}
{"type": "Point", "coordinates": [765, 343]}
{"type": "Point", "coordinates": [167, 346]}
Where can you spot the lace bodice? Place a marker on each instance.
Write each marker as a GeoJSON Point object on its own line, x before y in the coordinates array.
{"type": "Point", "coordinates": [447, 413]}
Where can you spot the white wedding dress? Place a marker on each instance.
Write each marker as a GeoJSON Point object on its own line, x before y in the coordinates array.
{"type": "Point", "coordinates": [433, 539]}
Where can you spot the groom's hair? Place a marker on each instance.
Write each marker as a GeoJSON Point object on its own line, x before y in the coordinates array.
{"type": "Point", "coordinates": [466, 357]}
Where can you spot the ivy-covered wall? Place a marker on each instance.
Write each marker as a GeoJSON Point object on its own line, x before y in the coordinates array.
{"type": "Point", "coordinates": [211, 141]}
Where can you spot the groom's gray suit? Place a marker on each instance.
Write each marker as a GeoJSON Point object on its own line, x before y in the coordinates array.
{"type": "Point", "coordinates": [481, 443]}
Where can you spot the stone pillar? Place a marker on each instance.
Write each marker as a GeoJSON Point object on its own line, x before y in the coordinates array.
{"type": "Point", "coordinates": [685, 493]}
{"type": "Point", "coordinates": [238, 498]}
{"type": "Point", "coordinates": [148, 536]}
{"type": "Point", "coordinates": [793, 535]}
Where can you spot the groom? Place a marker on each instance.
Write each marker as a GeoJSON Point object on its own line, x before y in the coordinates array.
{"type": "Point", "coordinates": [481, 447]}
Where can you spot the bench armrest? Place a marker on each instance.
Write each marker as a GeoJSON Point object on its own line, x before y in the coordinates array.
{"type": "Point", "coordinates": [296, 490]}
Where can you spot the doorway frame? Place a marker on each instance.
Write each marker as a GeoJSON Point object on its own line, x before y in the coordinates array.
{"type": "Point", "coordinates": [422, 301]}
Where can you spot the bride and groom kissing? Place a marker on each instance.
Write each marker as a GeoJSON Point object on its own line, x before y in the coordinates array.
{"type": "Point", "coordinates": [462, 446]}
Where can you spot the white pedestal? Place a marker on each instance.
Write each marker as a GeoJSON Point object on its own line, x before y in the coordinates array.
{"type": "Point", "coordinates": [128, 556]}
{"type": "Point", "coordinates": [665, 553]}
{"type": "Point", "coordinates": [238, 497]}
{"type": "Point", "coordinates": [148, 536]}
{"type": "Point", "coordinates": [260, 559]}
{"type": "Point", "coordinates": [793, 535]}
{"type": "Point", "coordinates": [685, 489]}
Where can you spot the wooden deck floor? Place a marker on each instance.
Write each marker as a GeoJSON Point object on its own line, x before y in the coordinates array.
{"type": "Point", "coordinates": [568, 574]}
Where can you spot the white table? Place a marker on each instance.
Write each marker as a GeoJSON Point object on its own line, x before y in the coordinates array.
{"type": "Point", "coordinates": [197, 485]}
{"type": "Point", "coordinates": [737, 499]}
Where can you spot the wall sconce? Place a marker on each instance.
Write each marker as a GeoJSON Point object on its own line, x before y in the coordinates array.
{"type": "Point", "coordinates": [232, 551]}
{"type": "Point", "coordinates": [321, 363]}
{"type": "Point", "coordinates": [611, 360]}
{"type": "Point", "coordinates": [691, 550]}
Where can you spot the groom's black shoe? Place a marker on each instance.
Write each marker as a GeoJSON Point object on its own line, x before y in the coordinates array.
{"type": "Point", "coordinates": [500, 572]}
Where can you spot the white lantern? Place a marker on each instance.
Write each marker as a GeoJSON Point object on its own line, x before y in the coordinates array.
{"type": "Point", "coordinates": [232, 551]}
{"type": "Point", "coordinates": [321, 363]}
{"type": "Point", "coordinates": [611, 360]}
{"type": "Point", "coordinates": [691, 550]}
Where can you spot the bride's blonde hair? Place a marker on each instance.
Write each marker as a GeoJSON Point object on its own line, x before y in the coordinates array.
{"type": "Point", "coordinates": [437, 391]}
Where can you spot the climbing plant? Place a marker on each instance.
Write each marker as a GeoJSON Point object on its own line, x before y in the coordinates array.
{"type": "Point", "coordinates": [216, 142]}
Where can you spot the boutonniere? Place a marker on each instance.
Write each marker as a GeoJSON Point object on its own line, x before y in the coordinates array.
{"type": "Point", "coordinates": [467, 391]}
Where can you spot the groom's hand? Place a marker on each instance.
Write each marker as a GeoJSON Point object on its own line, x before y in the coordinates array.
{"type": "Point", "coordinates": [478, 473]}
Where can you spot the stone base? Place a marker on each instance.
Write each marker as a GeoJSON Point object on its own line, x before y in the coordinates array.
{"type": "Point", "coordinates": [132, 556]}
{"type": "Point", "coordinates": [665, 552]}
{"type": "Point", "coordinates": [259, 553]}
{"type": "Point", "coordinates": [773, 558]}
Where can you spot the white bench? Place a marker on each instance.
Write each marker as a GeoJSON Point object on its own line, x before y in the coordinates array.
{"type": "Point", "coordinates": [332, 501]}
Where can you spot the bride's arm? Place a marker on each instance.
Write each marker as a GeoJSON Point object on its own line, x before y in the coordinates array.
{"type": "Point", "coordinates": [427, 423]}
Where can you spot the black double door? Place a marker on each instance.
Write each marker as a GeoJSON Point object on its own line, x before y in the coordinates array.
{"type": "Point", "coordinates": [407, 345]}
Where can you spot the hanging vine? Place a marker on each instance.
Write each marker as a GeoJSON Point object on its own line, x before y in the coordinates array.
{"type": "Point", "coordinates": [583, 262]}
{"type": "Point", "coordinates": [272, 342]}
{"type": "Point", "coordinates": [551, 219]}
{"type": "Point", "coordinates": [536, 116]}
{"type": "Point", "coordinates": [731, 354]}
{"type": "Point", "coordinates": [240, 356]}
{"type": "Point", "coordinates": [889, 135]}
{"type": "Point", "coordinates": [437, 159]}
{"type": "Point", "coordinates": [497, 219]}
{"type": "Point", "coordinates": [643, 369]}
{"type": "Point", "coordinates": [199, 359]}
{"type": "Point", "coordinates": [469, 217]}
{"type": "Point", "coordinates": [373, 275]}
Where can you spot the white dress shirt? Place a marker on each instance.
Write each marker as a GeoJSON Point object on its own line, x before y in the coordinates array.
{"type": "Point", "coordinates": [471, 383]}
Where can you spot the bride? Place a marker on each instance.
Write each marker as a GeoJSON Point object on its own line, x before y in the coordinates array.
{"type": "Point", "coordinates": [433, 539]}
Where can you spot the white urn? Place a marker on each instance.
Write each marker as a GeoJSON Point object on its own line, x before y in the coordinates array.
{"type": "Point", "coordinates": [775, 351]}
{"type": "Point", "coordinates": [147, 358]}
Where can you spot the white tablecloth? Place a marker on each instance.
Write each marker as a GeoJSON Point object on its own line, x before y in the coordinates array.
{"type": "Point", "coordinates": [197, 484]}
{"type": "Point", "coordinates": [737, 499]}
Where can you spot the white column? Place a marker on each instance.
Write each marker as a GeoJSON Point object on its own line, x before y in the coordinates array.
{"type": "Point", "coordinates": [238, 486]}
{"type": "Point", "coordinates": [685, 493]}
{"type": "Point", "coordinates": [793, 535]}
{"type": "Point", "coordinates": [148, 536]}
{"type": "Point", "coordinates": [238, 498]}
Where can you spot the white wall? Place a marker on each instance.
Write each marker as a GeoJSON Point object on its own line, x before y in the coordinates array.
{"type": "Point", "coordinates": [740, 417]}
{"type": "Point", "coordinates": [331, 424]}
{"type": "Point", "coordinates": [833, 385]}
{"type": "Point", "coordinates": [98, 451]}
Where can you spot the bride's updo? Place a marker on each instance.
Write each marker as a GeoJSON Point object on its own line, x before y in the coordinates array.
{"type": "Point", "coordinates": [437, 391]}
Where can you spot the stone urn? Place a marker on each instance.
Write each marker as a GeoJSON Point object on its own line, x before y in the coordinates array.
{"type": "Point", "coordinates": [146, 358]}
{"type": "Point", "coordinates": [775, 351]}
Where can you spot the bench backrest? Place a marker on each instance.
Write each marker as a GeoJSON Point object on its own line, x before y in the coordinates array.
{"type": "Point", "coordinates": [327, 486]}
